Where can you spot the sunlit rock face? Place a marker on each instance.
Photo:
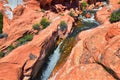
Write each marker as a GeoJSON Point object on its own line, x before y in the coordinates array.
{"type": "Point", "coordinates": [96, 51]}
{"type": "Point", "coordinates": [18, 62]}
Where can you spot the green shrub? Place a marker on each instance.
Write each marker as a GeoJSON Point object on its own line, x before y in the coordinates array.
{"type": "Point", "coordinates": [63, 25]}
{"type": "Point", "coordinates": [36, 26]}
{"type": "Point", "coordinates": [10, 48]}
{"type": "Point", "coordinates": [25, 38]}
{"type": "Point", "coordinates": [1, 22]}
{"type": "Point", "coordinates": [84, 5]}
{"type": "Point", "coordinates": [1, 54]}
{"type": "Point", "coordinates": [44, 23]}
{"type": "Point", "coordinates": [71, 13]}
{"type": "Point", "coordinates": [115, 16]}
{"type": "Point", "coordinates": [62, 14]}
{"type": "Point", "coordinates": [28, 37]}
{"type": "Point", "coordinates": [21, 41]}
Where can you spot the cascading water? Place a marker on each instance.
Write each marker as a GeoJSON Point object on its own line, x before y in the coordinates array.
{"type": "Point", "coordinates": [87, 23]}
{"type": "Point", "coordinates": [52, 62]}
{"type": "Point", "coordinates": [12, 4]}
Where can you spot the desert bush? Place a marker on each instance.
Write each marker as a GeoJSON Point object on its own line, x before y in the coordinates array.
{"type": "Point", "coordinates": [25, 39]}
{"type": "Point", "coordinates": [36, 26]}
{"type": "Point", "coordinates": [62, 14]}
{"type": "Point", "coordinates": [10, 48]}
{"type": "Point", "coordinates": [63, 25]}
{"type": "Point", "coordinates": [84, 5]}
{"type": "Point", "coordinates": [115, 16]}
{"type": "Point", "coordinates": [1, 54]}
{"type": "Point", "coordinates": [71, 13]}
{"type": "Point", "coordinates": [44, 23]}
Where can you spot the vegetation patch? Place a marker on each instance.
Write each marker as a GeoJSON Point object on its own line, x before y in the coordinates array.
{"type": "Point", "coordinates": [62, 14]}
{"type": "Point", "coordinates": [36, 26]}
{"type": "Point", "coordinates": [10, 48]}
{"type": "Point", "coordinates": [1, 54]}
{"type": "Point", "coordinates": [44, 23]}
{"type": "Point", "coordinates": [63, 25]}
{"type": "Point", "coordinates": [84, 5]}
{"type": "Point", "coordinates": [19, 42]}
{"type": "Point", "coordinates": [1, 22]}
{"type": "Point", "coordinates": [115, 16]}
{"type": "Point", "coordinates": [24, 39]}
{"type": "Point", "coordinates": [71, 13]}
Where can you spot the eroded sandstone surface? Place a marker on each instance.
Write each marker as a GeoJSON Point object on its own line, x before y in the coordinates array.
{"type": "Point", "coordinates": [19, 63]}
{"type": "Point", "coordinates": [96, 54]}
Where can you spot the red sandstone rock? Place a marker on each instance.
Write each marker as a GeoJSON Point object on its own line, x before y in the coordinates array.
{"type": "Point", "coordinates": [95, 47]}
{"type": "Point", "coordinates": [59, 8]}
{"type": "Point", "coordinates": [104, 14]}
{"type": "Point", "coordinates": [9, 71]}
{"type": "Point", "coordinates": [85, 72]}
{"type": "Point", "coordinates": [19, 62]}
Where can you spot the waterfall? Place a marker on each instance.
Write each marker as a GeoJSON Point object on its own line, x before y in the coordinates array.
{"type": "Point", "coordinates": [52, 62]}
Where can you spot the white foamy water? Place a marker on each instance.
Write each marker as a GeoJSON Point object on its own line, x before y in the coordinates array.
{"type": "Point", "coordinates": [52, 62]}
{"type": "Point", "coordinates": [12, 4]}
{"type": "Point", "coordinates": [92, 19]}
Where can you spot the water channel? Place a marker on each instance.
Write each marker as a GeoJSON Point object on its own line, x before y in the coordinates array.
{"type": "Point", "coordinates": [55, 58]}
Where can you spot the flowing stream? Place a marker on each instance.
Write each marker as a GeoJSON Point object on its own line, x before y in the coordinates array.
{"type": "Point", "coordinates": [86, 23]}
{"type": "Point", "coordinates": [52, 62]}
